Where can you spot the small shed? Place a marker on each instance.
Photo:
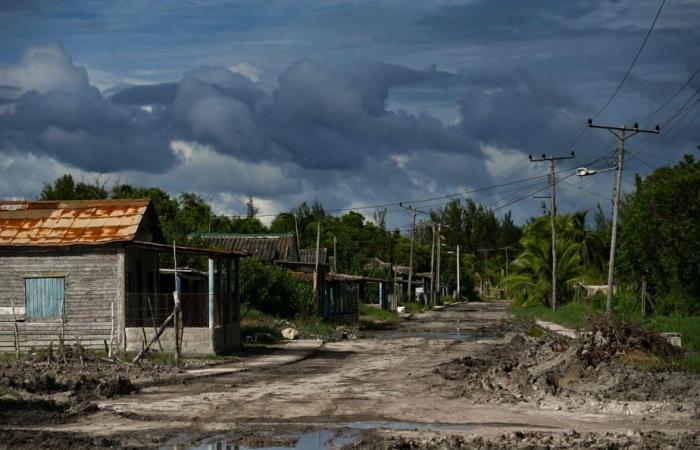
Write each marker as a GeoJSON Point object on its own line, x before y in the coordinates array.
{"type": "Point", "coordinates": [89, 271]}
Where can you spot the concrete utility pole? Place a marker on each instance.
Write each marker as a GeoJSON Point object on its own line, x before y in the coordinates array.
{"type": "Point", "coordinates": [411, 291]}
{"type": "Point", "coordinates": [553, 215]}
{"type": "Point", "coordinates": [335, 254]}
{"type": "Point", "coordinates": [459, 290]}
{"type": "Point", "coordinates": [506, 248]}
{"type": "Point", "coordinates": [486, 251]}
{"type": "Point", "coordinates": [438, 244]}
{"type": "Point", "coordinates": [432, 266]}
{"type": "Point", "coordinates": [621, 134]}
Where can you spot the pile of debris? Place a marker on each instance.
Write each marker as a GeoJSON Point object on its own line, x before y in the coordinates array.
{"type": "Point", "coordinates": [604, 370]}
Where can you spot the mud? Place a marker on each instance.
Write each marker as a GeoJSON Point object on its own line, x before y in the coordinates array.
{"type": "Point", "coordinates": [595, 373]}
{"type": "Point", "coordinates": [489, 385]}
{"type": "Point", "coordinates": [535, 440]}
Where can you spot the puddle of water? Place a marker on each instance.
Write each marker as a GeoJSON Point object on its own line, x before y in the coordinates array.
{"type": "Point", "coordinates": [317, 440]}
{"type": "Point", "coordinates": [408, 426]}
{"type": "Point", "coordinates": [327, 439]}
{"type": "Point", "coordinates": [446, 335]}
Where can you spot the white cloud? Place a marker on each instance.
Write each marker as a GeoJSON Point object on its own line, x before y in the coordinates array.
{"type": "Point", "coordinates": [248, 70]}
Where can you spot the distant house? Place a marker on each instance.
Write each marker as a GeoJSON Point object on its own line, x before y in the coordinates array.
{"type": "Point", "coordinates": [339, 294]}
{"type": "Point", "coordinates": [92, 269]}
{"type": "Point", "coordinates": [266, 248]}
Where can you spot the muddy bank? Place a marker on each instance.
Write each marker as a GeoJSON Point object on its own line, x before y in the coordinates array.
{"type": "Point", "coordinates": [625, 372]}
{"type": "Point", "coordinates": [536, 440]}
{"type": "Point", "coordinates": [51, 388]}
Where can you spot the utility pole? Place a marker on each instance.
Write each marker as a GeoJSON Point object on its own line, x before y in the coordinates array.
{"type": "Point", "coordinates": [335, 254]}
{"type": "Point", "coordinates": [432, 266]}
{"type": "Point", "coordinates": [411, 295]}
{"type": "Point", "coordinates": [621, 134]}
{"type": "Point", "coordinates": [486, 251]}
{"type": "Point", "coordinates": [552, 216]}
{"type": "Point", "coordinates": [506, 248]}
{"type": "Point", "coordinates": [411, 291]}
{"type": "Point", "coordinates": [316, 281]}
{"type": "Point", "coordinates": [438, 243]}
{"type": "Point", "coordinates": [459, 290]}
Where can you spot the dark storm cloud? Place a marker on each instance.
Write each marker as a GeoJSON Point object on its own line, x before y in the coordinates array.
{"type": "Point", "coordinates": [520, 111]}
{"type": "Point", "coordinates": [508, 20]}
{"type": "Point", "coordinates": [335, 116]}
{"type": "Point", "coordinates": [158, 94]}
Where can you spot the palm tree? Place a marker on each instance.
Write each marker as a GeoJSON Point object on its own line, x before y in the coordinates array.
{"type": "Point", "coordinates": [531, 281]}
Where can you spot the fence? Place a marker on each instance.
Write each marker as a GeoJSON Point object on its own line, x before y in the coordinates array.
{"type": "Point", "coordinates": [145, 309]}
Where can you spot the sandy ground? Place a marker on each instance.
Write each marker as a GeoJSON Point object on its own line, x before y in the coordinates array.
{"type": "Point", "coordinates": [385, 377]}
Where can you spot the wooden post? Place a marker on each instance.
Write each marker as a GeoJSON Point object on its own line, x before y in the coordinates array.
{"type": "Point", "coordinates": [176, 311]}
{"type": "Point", "coordinates": [14, 320]}
{"type": "Point", "coordinates": [157, 336]}
{"type": "Point", "coordinates": [153, 320]}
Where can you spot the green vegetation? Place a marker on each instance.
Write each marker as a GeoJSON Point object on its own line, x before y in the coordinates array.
{"type": "Point", "coordinates": [372, 313]}
{"type": "Point", "coordinates": [273, 290]}
{"type": "Point", "coordinates": [414, 307]}
{"type": "Point", "coordinates": [267, 329]}
{"type": "Point", "coordinates": [659, 237]}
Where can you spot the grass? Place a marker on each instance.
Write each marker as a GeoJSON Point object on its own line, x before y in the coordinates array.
{"type": "Point", "coordinates": [577, 315]}
{"type": "Point", "coordinates": [268, 328]}
{"type": "Point", "coordinates": [414, 307]}
{"type": "Point", "coordinates": [572, 315]}
{"type": "Point", "coordinates": [368, 312]}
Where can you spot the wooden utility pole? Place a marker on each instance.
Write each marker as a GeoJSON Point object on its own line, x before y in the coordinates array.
{"type": "Point", "coordinates": [411, 291]}
{"type": "Point", "coordinates": [621, 134]}
{"type": "Point", "coordinates": [553, 215]}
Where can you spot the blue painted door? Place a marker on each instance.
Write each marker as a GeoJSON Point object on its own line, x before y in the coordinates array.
{"type": "Point", "coordinates": [44, 296]}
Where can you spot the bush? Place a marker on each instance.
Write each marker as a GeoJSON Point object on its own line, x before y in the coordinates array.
{"type": "Point", "coordinates": [272, 290]}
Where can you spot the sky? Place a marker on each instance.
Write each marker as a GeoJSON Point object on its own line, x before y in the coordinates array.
{"type": "Point", "coordinates": [352, 103]}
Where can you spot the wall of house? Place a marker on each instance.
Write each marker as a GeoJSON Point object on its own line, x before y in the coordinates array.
{"type": "Point", "coordinates": [195, 340]}
{"type": "Point", "coordinates": [91, 286]}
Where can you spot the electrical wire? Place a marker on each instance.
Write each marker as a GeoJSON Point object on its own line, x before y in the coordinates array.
{"type": "Point", "coordinates": [634, 61]}
{"type": "Point", "coordinates": [675, 94]}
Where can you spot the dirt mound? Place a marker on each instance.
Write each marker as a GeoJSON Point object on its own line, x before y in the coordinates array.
{"type": "Point", "coordinates": [538, 440]}
{"type": "Point", "coordinates": [610, 339]}
{"type": "Point", "coordinates": [590, 373]}
{"type": "Point", "coordinates": [20, 439]}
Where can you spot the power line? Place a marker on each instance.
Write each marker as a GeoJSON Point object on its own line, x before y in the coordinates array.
{"type": "Point", "coordinates": [634, 61]}
{"type": "Point", "coordinates": [675, 94]}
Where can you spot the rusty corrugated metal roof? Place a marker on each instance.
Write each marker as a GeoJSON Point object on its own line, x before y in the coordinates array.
{"type": "Point", "coordinates": [266, 248]}
{"type": "Point", "coordinates": [69, 222]}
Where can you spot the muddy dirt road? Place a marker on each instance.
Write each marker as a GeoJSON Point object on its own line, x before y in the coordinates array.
{"type": "Point", "coordinates": [384, 386]}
